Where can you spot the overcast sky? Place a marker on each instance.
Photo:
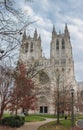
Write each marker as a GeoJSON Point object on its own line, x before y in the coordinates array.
{"type": "Point", "coordinates": [58, 13]}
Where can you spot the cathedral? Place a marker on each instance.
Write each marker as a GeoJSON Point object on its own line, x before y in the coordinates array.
{"type": "Point", "coordinates": [48, 74]}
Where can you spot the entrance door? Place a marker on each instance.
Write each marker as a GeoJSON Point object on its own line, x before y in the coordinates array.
{"type": "Point", "coordinates": [43, 109]}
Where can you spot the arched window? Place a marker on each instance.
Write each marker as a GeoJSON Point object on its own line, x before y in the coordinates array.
{"type": "Point", "coordinates": [57, 44]}
{"type": "Point", "coordinates": [26, 47]}
{"type": "Point", "coordinates": [81, 93]}
{"type": "Point", "coordinates": [63, 44]}
{"type": "Point", "coordinates": [31, 49]}
{"type": "Point", "coordinates": [43, 78]}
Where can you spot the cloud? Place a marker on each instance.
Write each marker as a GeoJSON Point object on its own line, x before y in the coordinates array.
{"type": "Point", "coordinates": [79, 74]}
{"type": "Point", "coordinates": [48, 13]}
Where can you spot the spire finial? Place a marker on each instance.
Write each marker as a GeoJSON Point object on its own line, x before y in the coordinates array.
{"type": "Point", "coordinates": [35, 33]}
{"type": "Point", "coordinates": [39, 37]}
{"type": "Point", "coordinates": [66, 31]}
{"type": "Point", "coordinates": [53, 32]}
{"type": "Point", "coordinates": [66, 28]}
{"type": "Point", "coordinates": [24, 34]}
{"type": "Point", "coordinates": [53, 29]}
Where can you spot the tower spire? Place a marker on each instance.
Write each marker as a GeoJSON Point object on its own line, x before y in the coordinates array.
{"type": "Point", "coordinates": [53, 32]}
{"type": "Point", "coordinates": [66, 31]}
{"type": "Point", "coordinates": [66, 28]}
{"type": "Point", "coordinates": [24, 35]}
{"type": "Point", "coordinates": [35, 34]}
{"type": "Point", "coordinates": [53, 29]}
{"type": "Point", "coordinates": [39, 38]}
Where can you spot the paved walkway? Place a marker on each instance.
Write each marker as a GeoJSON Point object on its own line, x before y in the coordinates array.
{"type": "Point", "coordinates": [80, 123]}
{"type": "Point", "coordinates": [34, 125]}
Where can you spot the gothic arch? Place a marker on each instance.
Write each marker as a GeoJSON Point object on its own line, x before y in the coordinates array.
{"type": "Point", "coordinates": [43, 104]}
{"type": "Point", "coordinates": [26, 47]}
{"type": "Point", "coordinates": [43, 77]}
{"type": "Point", "coordinates": [31, 47]}
{"type": "Point", "coordinates": [43, 99]}
{"type": "Point", "coordinates": [63, 44]}
{"type": "Point", "coordinates": [57, 44]}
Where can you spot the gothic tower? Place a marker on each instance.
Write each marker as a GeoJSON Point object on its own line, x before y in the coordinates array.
{"type": "Point", "coordinates": [61, 53]}
{"type": "Point", "coordinates": [31, 47]}
{"type": "Point", "coordinates": [59, 65]}
{"type": "Point", "coordinates": [60, 47]}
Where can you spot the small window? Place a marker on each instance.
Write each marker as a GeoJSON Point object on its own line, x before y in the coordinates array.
{"type": "Point", "coordinates": [45, 109]}
{"type": "Point", "coordinates": [57, 44]}
{"type": "Point", "coordinates": [63, 61]}
{"type": "Point", "coordinates": [31, 49]}
{"type": "Point", "coordinates": [81, 94]}
{"type": "Point", "coordinates": [26, 48]}
{"type": "Point", "coordinates": [63, 69]}
{"type": "Point", "coordinates": [63, 44]}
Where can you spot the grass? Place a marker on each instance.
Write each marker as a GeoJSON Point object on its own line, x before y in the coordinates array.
{"type": "Point", "coordinates": [48, 115]}
{"type": "Point", "coordinates": [41, 117]}
{"type": "Point", "coordinates": [33, 118]}
{"type": "Point", "coordinates": [29, 118]}
{"type": "Point", "coordinates": [45, 115]}
{"type": "Point", "coordinates": [64, 125]}
{"type": "Point", "coordinates": [6, 115]}
{"type": "Point", "coordinates": [79, 117]}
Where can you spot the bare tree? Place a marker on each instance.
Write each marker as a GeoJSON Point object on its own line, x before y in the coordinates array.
{"type": "Point", "coordinates": [23, 96]}
{"type": "Point", "coordinates": [6, 88]}
{"type": "Point", "coordinates": [79, 103]}
{"type": "Point", "coordinates": [12, 24]}
{"type": "Point", "coordinates": [62, 95]}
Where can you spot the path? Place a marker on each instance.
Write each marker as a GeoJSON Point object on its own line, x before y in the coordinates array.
{"type": "Point", "coordinates": [34, 125]}
{"type": "Point", "coordinates": [80, 123]}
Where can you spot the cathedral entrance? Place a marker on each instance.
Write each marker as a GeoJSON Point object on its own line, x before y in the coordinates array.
{"type": "Point", "coordinates": [43, 109]}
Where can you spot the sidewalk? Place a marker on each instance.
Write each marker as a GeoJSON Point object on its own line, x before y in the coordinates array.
{"type": "Point", "coordinates": [80, 123]}
{"type": "Point", "coordinates": [34, 125]}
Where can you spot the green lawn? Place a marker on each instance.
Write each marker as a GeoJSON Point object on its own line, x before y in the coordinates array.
{"type": "Point", "coordinates": [33, 118]}
{"type": "Point", "coordinates": [6, 115]}
{"type": "Point", "coordinates": [41, 117]}
{"type": "Point", "coordinates": [79, 117]}
{"type": "Point", "coordinates": [45, 115]}
{"type": "Point", "coordinates": [29, 118]}
{"type": "Point", "coordinates": [64, 125]}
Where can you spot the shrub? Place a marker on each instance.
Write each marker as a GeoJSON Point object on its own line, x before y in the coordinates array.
{"type": "Point", "coordinates": [13, 121]}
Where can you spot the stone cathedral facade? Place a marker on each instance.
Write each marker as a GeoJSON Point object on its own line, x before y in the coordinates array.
{"type": "Point", "coordinates": [59, 66]}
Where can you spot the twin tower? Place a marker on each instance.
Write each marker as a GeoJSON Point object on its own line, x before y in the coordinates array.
{"type": "Point", "coordinates": [60, 49]}
{"type": "Point", "coordinates": [60, 63]}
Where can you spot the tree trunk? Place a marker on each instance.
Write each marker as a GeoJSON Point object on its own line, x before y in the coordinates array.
{"type": "Point", "coordinates": [1, 114]}
{"type": "Point", "coordinates": [58, 112]}
{"type": "Point", "coordinates": [16, 110]}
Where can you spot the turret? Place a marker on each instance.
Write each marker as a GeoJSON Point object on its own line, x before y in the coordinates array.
{"type": "Point", "coordinates": [53, 32]}
{"type": "Point", "coordinates": [31, 46]}
{"type": "Point", "coordinates": [35, 34]}
{"type": "Point", "coordinates": [24, 35]}
{"type": "Point", "coordinates": [39, 38]}
{"type": "Point", "coordinates": [29, 37]}
{"type": "Point", "coordinates": [66, 32]}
